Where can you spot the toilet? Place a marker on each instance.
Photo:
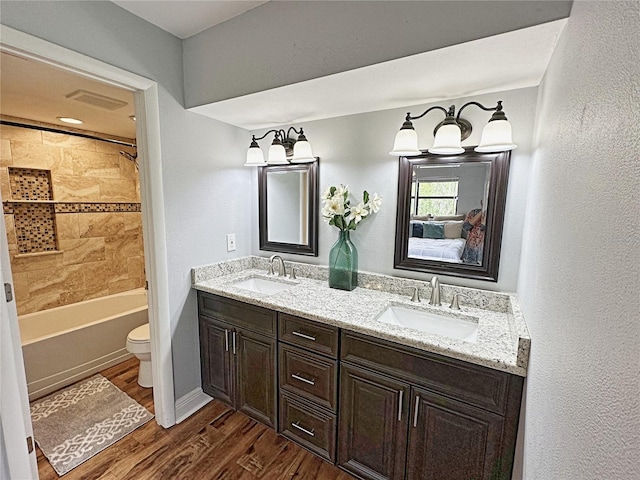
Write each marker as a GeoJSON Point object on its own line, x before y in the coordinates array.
{"type": "Point", "coordinates": [139, 343]}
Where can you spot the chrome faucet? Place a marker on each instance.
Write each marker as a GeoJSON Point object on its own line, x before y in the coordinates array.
{"type": "Point", "coordinates": [435, 292]}
{"type": "Point", "coordinates": [281, 268]}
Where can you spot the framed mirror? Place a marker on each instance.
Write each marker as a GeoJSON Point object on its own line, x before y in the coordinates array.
{"type": "Point", "coordinates": [451, 212]}
{"type": "Point", "coordinates": [288, 208]}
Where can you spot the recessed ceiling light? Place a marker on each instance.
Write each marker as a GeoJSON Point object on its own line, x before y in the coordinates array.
{"type": "Point", "coordinates": [75, 121]}
{"type": "Point", "coordinates": [132, 117]}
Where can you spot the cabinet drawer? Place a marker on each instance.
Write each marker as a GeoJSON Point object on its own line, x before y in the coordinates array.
{"type": "Point", "coordinates": [310, 335]}
{"type": "Point", "coordinates": [257, 319]}
{"type": "Point", "coordinates": [308, 375]}
{"type": "Point", "coordinates": [473, 384]}
{"type": "Point", "coordinates": [308, 426]}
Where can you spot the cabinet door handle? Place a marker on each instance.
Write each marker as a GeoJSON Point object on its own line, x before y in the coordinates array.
{"type": "Point", "coordinates": [302, 379]}
{"type": "Point", "coordinates": [400, 396]}
{"type": "Point", "coordinates": [307, 337]}
{"type": "Point", "coordinates": [226, 340]}
{"type": "Point", "coordinates": [234, 342]}
{"type": "Point", "coordinates": [415, 413]}
{"type": "Point", "coordinates": [302, 429]}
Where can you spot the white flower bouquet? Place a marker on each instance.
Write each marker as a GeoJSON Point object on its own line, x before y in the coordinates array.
{"type": "Point", "coordinates": [338, 211]}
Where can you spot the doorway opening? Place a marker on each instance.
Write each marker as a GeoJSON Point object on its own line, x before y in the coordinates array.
{"type": "Point", "coordinates": [147, 139]}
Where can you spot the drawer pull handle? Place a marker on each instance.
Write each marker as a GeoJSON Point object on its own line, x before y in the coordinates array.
{"type": "Point", "coordinates": [400, 396]}
{"type": "Point", "coordinates": [302, 429]}
{"type": "Point", "coordinates": [415, 413]}
{"type": "Point", "coordinates": [302, 379]}
{"type": "Point", "coordinates": [234, 343]}
{"type": "Point", "coordinates": [307, 337]}
{"type": "Point", "coordinates": [226, 340]}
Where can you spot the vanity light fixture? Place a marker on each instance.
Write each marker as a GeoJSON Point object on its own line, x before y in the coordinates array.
{"type": "Point", "coordinates": [496, 135]}
{"type": "Point", "coordinates": [281, 150]}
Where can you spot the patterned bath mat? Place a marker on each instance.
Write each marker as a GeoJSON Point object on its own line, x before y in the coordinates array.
{"type": "Point", "coordinates": [74, 424]}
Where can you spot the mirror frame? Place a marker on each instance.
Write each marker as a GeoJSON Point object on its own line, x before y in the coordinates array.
{"type": "Point", "coordinates": [311, 248]}
{"type": "Point", "coordinates": [496, 202]}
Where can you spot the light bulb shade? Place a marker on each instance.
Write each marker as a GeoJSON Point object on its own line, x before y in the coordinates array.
{"type": "Point", "coordinates": [302, 152]}
{"type": "Point", "coordinates": [496, 137]}
{"type": "Point", "coordinates": [447, 141]}
{"type": "Point", "coordinates": [277, 155]}
{"type": "Point", "coordinates": [255, 158]}
{"type": "Point", "coordinates": [406, 143]}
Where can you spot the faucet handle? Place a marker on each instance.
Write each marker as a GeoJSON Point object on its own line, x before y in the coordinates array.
{"type": "Point", "coordinates": [270, 271]}
{"type": "Point", "coordinates": [416, 295]}
{"type": "Point", "coordinates": [455, 302]}
{"type": "Point", "coordinates": [292, 275]}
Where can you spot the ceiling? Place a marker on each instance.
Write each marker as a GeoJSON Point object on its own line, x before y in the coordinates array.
{"type": "Point", "coordinates": [185, 18]}
{"type": "Point", "coordinates": [40, 92]}
{"type": "Point", "coordinates": [512, 60]}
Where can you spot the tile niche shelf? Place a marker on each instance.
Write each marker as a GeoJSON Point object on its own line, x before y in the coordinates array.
{"type": "Point", "coordinates": [33, 212]}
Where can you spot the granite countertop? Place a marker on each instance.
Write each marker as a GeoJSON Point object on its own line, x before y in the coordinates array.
{"type": "Point", "coordinates": [502, 337]}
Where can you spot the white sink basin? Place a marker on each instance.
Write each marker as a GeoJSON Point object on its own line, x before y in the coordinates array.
{"type": "Point", "coordinates": [262, 285]}
{"type": "Point", "coordinates": [430, 322]}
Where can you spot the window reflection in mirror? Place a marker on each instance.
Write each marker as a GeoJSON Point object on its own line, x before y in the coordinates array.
{"type": "Point", "coordinates": [288, 208]}
{"type": "Point", "coordinates": [450, 213]}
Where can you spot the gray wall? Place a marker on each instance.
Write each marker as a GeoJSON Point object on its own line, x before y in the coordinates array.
{"type": "Point", "coordinates": [201, 158]}
{"type": "Point", "coordinates": [4, 458]}
{"type": "Point", "coordinates": [280, 43]}
{"type": "Point", "coordinates": [354, 150]}
{"type": "Point", "coordinates": [580, 267]}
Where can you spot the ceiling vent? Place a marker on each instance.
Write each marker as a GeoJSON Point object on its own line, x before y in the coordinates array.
{"type": "Point", "coordinates": [97, 100]}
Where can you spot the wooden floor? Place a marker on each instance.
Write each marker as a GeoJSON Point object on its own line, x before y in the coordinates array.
{"type": "Point", "coordinates": [214, 443]}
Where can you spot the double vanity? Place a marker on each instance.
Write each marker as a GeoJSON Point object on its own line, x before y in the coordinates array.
{"type": "Point", "coordinates": [378, 384]}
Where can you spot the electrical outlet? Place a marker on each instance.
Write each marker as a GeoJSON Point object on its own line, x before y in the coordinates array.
{"type": "Point", "coordinates": [231, 242]}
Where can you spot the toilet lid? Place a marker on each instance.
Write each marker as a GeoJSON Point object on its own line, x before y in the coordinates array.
{"type": "Point", "coordinates": [139, 334]}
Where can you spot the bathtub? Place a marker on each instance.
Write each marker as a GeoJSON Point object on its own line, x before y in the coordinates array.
{"type": "Point", "coordinates": [65, 344]}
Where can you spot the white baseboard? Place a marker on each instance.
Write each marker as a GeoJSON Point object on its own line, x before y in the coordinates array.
{"type": "Point", "coordinates": [190, 403]}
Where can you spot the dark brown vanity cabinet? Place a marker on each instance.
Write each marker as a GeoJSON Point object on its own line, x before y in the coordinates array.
{"type": "Point", "coordinates": [406, 413]}
{"type": "Point", "coordinates": [377, 409]}
{"type": "Point", "coordinates": [453, 440]}
{"type": "Point", "coordinates": [238, 355]}
{"type": "Point", "coordinates": [373, 424]}
{"type": "Point", "coordinates": [308, 372]}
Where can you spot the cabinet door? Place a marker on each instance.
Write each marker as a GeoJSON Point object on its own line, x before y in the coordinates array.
{"type": "Point", "coordinates": [216, 360]}
{"type": "Point", "coordinates": [256, 376]}
{"type": "Point", "coordinates": [373, 420]}
{"type": "Point", "coordinates": [452, 440]}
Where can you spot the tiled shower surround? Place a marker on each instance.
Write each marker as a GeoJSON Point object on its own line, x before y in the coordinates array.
{"type": "Point", "coordinates": [85, 239]}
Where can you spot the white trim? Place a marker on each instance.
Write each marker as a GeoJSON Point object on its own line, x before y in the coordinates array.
{"type": "Point", "coordinates": [15, 418]}
{"type": "Point", "coordinates": [149, 149]}
{"type": "Point", "coordinates": [155, 248]}
{"type": "Point", "coordinates": [190, 403]}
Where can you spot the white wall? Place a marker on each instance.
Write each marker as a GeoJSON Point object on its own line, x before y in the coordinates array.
{"type": "Point", "coordinates": [580, 270]}
{"type": "Point", "coordinates": [280, 43]}
{"type": "Point", "coordinates": [354, 150]}
{"type": "Point", "coordinates": [201, 158]}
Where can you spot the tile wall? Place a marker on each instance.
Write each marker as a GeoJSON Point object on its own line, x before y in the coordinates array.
{"type": "Point", "coordinates": [93, 217]}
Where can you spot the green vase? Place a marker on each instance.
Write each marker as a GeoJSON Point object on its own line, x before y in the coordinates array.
{"type": "Point", "coordinates": [343, 263]}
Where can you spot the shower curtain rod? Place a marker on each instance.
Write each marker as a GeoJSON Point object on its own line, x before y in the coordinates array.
{"type": "Point", "coordinates": [66, 132]}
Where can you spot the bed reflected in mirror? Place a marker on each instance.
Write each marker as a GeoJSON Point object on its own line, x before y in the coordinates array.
{"type": "Point", "coordinates": [288, 208]}
{"type": "Point", "coordinates": [450, 213]}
